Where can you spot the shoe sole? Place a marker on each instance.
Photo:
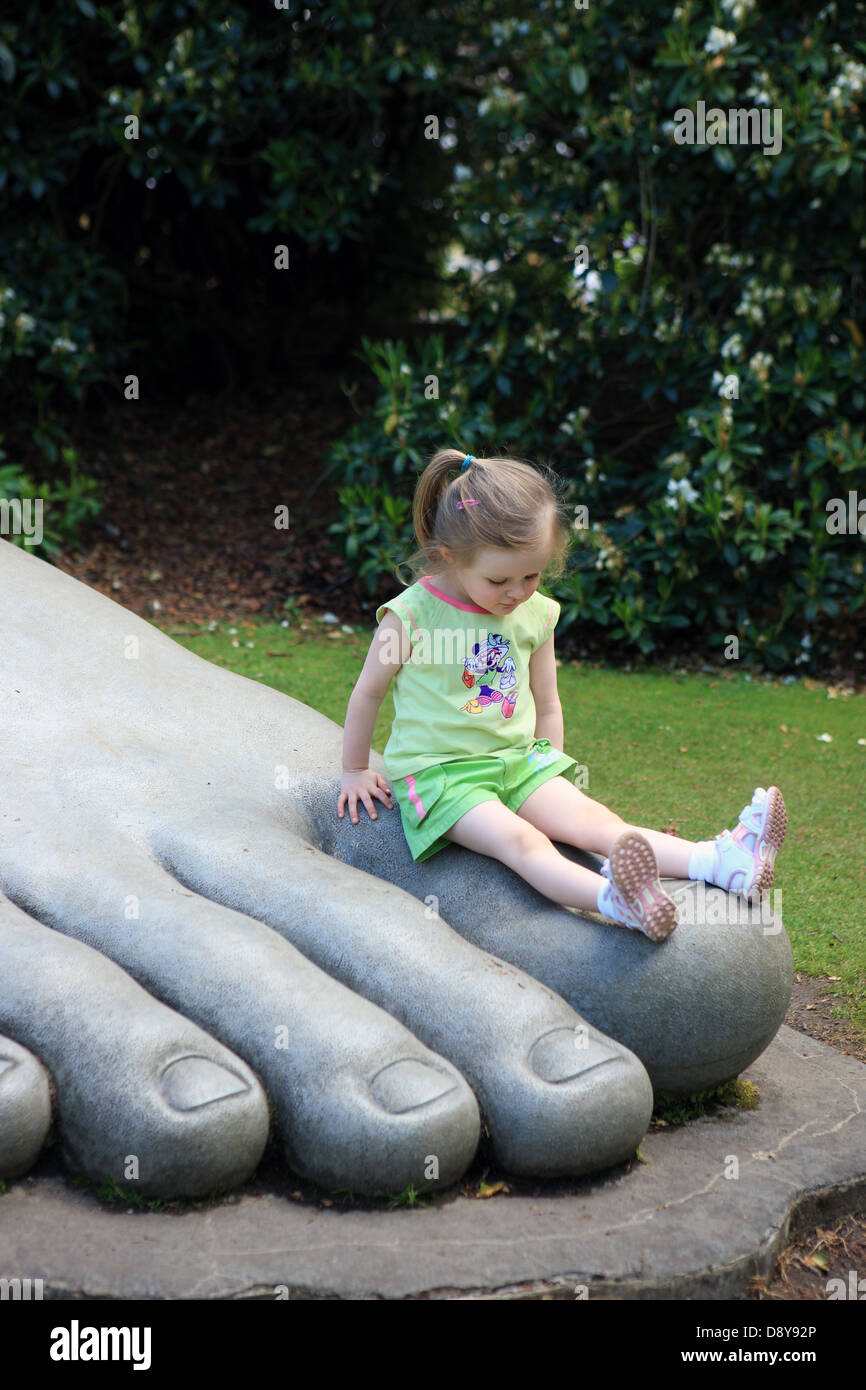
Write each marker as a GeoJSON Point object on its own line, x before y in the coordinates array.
{"type": "Point", "coordinates": [634, 873]}
{"type": "Point", "coordinates": [768, 842]}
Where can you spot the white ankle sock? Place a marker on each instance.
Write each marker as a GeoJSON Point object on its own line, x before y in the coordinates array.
{"type": "Point", "coordinates": [701, 860]}
{"type": "Point", "coordinates": [601, 898]}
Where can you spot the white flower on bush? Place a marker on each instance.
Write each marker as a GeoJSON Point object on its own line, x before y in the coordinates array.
{"type": "Point", "coordinates": [760, 365]}
{"type": "Point", "coordinates": [726, 415]}
{"type": "Point", "coordinates": [759, 91]}
{"type": "Point", "coordinates": [64, 345]}
{"type": "Point", "coordinates": [606, 558]}
{"type": "Point", "coordinates": [680, 488]}
{"type": "Point", "coordinates": [750, 310]}
{"type": "Point", "coordinates": [7, 294]}
{"type": "Point", "coordinates": [538, 338]}
{"type": "Point", "coordinates": [671, 460]}
{"type": "Point", "coordinates": [25, 322]}
{"type": "Point", "coordinates": [590, 286]}
{"type": "Point", "coordinates": [733, 347]}
{"type": "Point", "coordinates": [2, 320]}
{"type": "Point", "coordinates": [720, 255]}
{"type": "Point", "coordinates": [457, 260]}
{"type": "Point", "coordinates": [719, 39]}
{"type": "Point", "coordinates": [693, 424]}
{"type": "Point", "coordinates": [738, 9]}
{"type": "Point", "coordinates": [573, 421]}
{"type": "Point", "coordinates": [849, 82]}
{"type": "Point", "coordinates": [756, 294]}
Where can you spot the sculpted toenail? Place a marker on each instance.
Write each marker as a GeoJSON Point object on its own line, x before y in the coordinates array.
{"type": "Point", "coordinates": [564, 1053]}
{"type": "Point", "coordinates": [194, 1081]}
{"type": "Point", "coordinates": [407, 1084]}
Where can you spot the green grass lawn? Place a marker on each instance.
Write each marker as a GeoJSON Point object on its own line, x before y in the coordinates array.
{"type": "Point", "coordinates": [662, 750]}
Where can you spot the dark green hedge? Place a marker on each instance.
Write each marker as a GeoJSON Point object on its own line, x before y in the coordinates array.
{"type": "Point", "coordinates": [258, 127]}
{"type": "Point", "coordinates": [262, 126]}
{"type": "Point", "coordinates": [706, 514]}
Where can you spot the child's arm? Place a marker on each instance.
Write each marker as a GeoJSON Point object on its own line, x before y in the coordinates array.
{"type": "Point", "coordinates": [389, 648]}
{"type": "Point", "coordinates": [542, 683]}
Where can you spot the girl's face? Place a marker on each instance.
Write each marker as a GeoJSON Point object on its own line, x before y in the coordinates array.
{"type": "Point", "coordinates": [500, 580]}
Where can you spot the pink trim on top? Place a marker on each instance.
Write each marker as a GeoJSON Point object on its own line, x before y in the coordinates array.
{"type": "Point", "coordinates": [446, 598]}
{"type": "Point", "coordinates": [550, 614]}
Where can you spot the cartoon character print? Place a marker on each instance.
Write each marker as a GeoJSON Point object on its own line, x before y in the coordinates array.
{"type": "Point", "coordinates": [491, 656]}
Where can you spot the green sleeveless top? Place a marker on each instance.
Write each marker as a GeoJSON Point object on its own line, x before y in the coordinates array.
{"type": "Point", "coordinates": [465, 688]}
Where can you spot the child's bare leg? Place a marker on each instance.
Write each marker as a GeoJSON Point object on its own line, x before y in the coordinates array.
{"type": "Point", "coordinates": [672, 854]}
{"type": "Point", "coordinates": [740, 860]}
{"type": "Point", "coordinates": [564, 813]}
{"type": "Point", "coordinates": [632, 895]}
{"type": "Point", "coordinates": [493, 830]}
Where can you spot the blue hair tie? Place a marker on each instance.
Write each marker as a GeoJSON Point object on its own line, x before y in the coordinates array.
{"type": "Point", "coordinates": [470, 458]}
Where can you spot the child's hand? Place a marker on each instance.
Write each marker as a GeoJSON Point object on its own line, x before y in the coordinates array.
{"type": "Point", "coordinates": [364, 784]}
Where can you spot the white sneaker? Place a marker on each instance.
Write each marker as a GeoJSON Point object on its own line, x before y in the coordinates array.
{"type": "Point", "coordinates": [634, 895]}
{"type": "Point", "coordinates": [744, 857]}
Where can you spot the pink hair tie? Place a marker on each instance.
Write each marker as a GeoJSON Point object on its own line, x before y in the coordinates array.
{"type": "Point", "coordinates": [470, 502]}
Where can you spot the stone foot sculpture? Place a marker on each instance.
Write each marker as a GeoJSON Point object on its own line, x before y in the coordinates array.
{"type": "Point", "coordinates": [188, 931]}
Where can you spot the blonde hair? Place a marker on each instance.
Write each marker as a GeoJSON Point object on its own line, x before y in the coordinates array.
{"type": "Point", "coordinates": [519, 507]}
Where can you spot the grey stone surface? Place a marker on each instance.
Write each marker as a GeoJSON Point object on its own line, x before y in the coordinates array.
{"type": "Point", "coordinates": [673, 1226]}
{"type": "Point", "coordinates": [143, 1095]}
{"type": "Point", "coordinates": [696, 1008]}
{"type": "Point", "coordinates": [182, 821]}
{"type": "Point", "coordinates": [25, 1108]}
{"type": "Point", "coordinates": [558, 1096]}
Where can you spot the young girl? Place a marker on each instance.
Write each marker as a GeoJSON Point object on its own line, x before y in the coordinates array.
{"type": "Point", "coordinates": [475, 753]}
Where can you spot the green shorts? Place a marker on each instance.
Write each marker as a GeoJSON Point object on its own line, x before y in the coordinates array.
{"type": "Point", "coordinates": [433, 799]}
